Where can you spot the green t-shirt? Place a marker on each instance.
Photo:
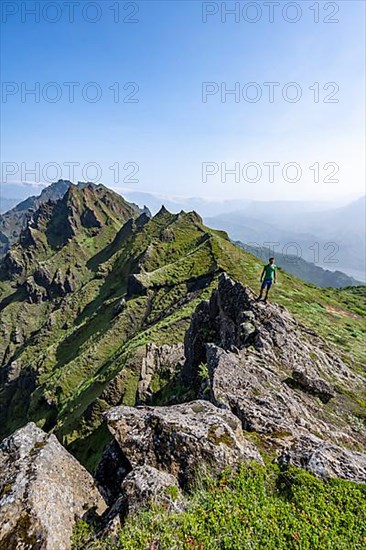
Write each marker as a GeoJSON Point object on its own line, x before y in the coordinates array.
{"type": "Point", "coordinates": [269, 271]}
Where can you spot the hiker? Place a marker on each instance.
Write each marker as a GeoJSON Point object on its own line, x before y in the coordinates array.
{"type": "Point", "coordinates": [268, 277]}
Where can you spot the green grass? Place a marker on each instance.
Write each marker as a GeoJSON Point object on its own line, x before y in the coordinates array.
{"type": "Point", "coordinates": [256, 508]}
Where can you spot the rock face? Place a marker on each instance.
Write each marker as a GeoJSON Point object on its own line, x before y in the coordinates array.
{"type": "Point", "coordinates": [111, 471]}
{"type": "Point", "coordinates": [260, 396]}
{"type": "Point", "coordinates": [313, 385]}
{"type": "Point", "coordinates": [43, 490]}
{"type": "Point", "coordinates": [162, 360]}
{"type": "Point", "coordinates": [145, 485]}
{"type": "Point", "coordinates": [180, 439]}
{"type": "Point", "coordinates": [275, 376]}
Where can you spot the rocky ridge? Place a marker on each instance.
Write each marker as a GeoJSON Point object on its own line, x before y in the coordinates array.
{"type": "Point", "coordinates": [277, 377]}
{"type": "Point", "coordinates": [266, 375]}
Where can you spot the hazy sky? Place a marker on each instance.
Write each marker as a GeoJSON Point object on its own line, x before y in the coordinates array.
{"type": "Point", "coordinates": [169, 132]}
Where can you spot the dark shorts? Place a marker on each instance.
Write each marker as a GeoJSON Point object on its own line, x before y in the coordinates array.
{"type": "Point", "coordinates": [267, 283]}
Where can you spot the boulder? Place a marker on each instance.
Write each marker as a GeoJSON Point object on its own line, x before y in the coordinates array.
{"type": "Point", "coordinates": [43, 491]}
{"type": "Point", "coordinates": [180, 439]}
{"type": "Point", "coordinates": [324, 459]}
{"type": "Point", "coordinates": [269, 403]}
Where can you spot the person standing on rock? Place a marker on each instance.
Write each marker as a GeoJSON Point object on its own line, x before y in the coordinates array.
{"type": "Point", "coordinates": [268, 278]}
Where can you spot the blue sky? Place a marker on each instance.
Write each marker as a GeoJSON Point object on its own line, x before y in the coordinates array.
{"type": "Point", "coordinates": [170, 132]}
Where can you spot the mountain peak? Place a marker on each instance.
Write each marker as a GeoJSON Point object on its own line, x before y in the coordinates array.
{"type": "Point", "coordinates": [162, 211]}
{"type": "Point", "coordinates": [193, 216]}
{"type": "Point", "coordinates": [83, 212]}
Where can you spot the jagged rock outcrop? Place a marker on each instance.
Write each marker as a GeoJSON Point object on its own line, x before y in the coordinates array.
{"type": "Point", "coordinates": [163, 361]}
{"type": "Point", "coordinates": [43, 491]}
{"type": "Point", "coordinates": [234, 320]}
{"type": "Point", "coordinates": [35, 293]}
{"type": "Point", "coordinates": [273, 374]}
{"type": "Point", "coordinates": [43, 286]}
{"type": "Point", "coordinates": [180, 439]}
{"type": "Point", "coordinates": [63, 283]}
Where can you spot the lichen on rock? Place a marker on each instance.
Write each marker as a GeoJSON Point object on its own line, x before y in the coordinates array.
{"type": "Point", "coordinates": [43, 491]}
{"type": "Point", "coordinates": [179, 439]}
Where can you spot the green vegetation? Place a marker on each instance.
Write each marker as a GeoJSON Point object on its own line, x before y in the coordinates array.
{"type": "Point", "coordinates": [74, 353]}
{"type": "Point", "coordinates": [254, 509]}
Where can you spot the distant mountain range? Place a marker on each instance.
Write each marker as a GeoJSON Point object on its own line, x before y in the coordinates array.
{"type": "Point", "coordinates": [307, 271]}
{"type": "Point", "coordinates": [13, 193]}
{"type": "Point", "coordinates": [328, 243]}
{"type": "Point", "coordinates": [332, 239]}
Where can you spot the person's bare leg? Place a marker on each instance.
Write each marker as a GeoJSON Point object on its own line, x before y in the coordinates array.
{"type": "Point", "coordinates": [261, 293]}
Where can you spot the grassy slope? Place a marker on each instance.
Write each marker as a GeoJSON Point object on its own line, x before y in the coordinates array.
{"type": "Point", "coordinates": [257, 508]}
{"type": "Point", "coordinates": [77, 345]}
